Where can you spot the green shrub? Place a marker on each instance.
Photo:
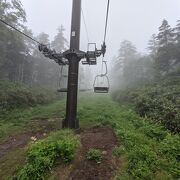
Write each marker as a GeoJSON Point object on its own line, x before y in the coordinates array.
{"type": "Point", "coordinates": [130, 139]}
{"type": "Point", "coordinates": [43, 154]}
{"type": "Point", "coordinates": [154, 131]}
{"type": "Point", "coordinates": [95, 155]}
{"type": "Point", "coordinates": [142, 162]}
{"type": "Point", "coordinates": [158, 101]}
{"type": "Point", "coordinates": [17, 95]}
{"type": "Point", "coordinates": [170, 147]}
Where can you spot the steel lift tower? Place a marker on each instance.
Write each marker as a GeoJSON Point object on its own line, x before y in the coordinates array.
{"type": "Point", "coordinates": [72, 57]}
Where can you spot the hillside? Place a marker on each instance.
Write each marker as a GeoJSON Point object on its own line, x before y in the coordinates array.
{"type": "Point", "coordinates": [158, 101]}
{"type": "Point", "coordinates": [18, 95]}
{"type": "Point", "coordinates": [125, 145]}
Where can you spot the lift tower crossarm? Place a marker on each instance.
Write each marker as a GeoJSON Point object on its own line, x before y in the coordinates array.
{"type": "Point", "coordinates": [62, 58]}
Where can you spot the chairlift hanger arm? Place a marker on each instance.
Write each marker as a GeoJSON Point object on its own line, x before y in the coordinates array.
{"type": "Point", "coordinates": [91, 56]}
{"type": "Point", "coordinates": [52, 54]}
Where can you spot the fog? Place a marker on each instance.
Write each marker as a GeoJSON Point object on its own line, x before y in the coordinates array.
{"type": "Point", "coordinates": [130, 27]}
{"type": "Point", "coordinates": [128, 19]}
{"type": "Point", "coordinates": [126, 88]}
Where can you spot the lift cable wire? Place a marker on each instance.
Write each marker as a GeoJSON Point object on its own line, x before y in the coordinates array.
{"type": "Point", "coordinates": [19, 31]}
{"type": "Point", "coordinates": [84, 20]}
{"type": "Point", "coordinates": [57, 59]}
{"type": "Point", "coordinates": [105, 34]}
{"type": "Point", "coordinates": [107, 15]}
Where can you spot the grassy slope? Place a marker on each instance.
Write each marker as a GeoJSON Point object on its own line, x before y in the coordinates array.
{"type": "Point", "coordinates": [148, 150]}
{"type": "Point", "coordinates": [159, 101]}
{"type": "Point", "coordinates": [42, 155]}
{"type": "Point", "coordinates": [17, 95]}
{"type": "Point", "coordinates": [21, 119]}
{"type": "Point", "coordinates": [151, 151]}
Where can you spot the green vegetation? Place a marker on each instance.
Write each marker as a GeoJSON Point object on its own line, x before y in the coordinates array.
{"type": "Point", "coordinates": [42, 155]}
{"type": "Point", "coordinates": [158, 101]}
{"type": "Point", "coordinates": [41, 118]}
{"type": "Point", "coordinates": [22, 119]}
{"type": "Point", "coordinates": [152, 152]}
{"type": "Point", "coordinates": [145, 132]}
{"type": "Point", "coordinates": [119, 151]}
{"type": "Point", "coordinates": [147, 150]}
{"type": "Point", "coordinates": [20, 60]}
{"type": "Point", "coordinates": [95, 155]}
{"type": "Point", "coordinates": [11, 162]}
{"type": "Point", "coordinates": [16, 95]}
{"type": "Point", "coordinates": [151, 83]}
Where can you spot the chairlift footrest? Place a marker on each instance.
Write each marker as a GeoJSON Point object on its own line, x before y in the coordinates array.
{"type": "Point", "coordinates": [62, 90]}
{"type": "Point", "coordinates": [101, 89]}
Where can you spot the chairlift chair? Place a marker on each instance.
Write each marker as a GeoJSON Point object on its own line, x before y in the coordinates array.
{"type": "Point", "coordinates": [91, 55]}
{"type": "Point", "coordinates": [102, 87]}
{"type": "Point", "coordinates": [101, 82]}
{"type": "Point", "coordinates": [61, 78]}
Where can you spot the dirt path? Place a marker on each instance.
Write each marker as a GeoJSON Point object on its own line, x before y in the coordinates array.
{"type": "Point", "coordinates": [82, 169]}
{"type": "Point", "coordinates": [98, 138]}
{"type": "Point", "coordinates": [22, 139]}
{"type": "Point", "coordinates": [18, 141]}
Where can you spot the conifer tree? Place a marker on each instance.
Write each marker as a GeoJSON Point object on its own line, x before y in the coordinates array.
{"type": "Point", "coordinates": [60, 43]}
{"type": "Point", "coordinates": [164, 58]}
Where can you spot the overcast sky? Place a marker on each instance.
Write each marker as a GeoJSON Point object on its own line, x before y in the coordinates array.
{"type": "Point", "coordinates": [134, 20]}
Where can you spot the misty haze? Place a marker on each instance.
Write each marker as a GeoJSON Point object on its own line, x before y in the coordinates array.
{"type": "Point", "coordinates": [90, 90]}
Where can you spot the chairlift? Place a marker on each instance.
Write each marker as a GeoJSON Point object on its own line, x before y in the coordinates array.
{"type": "Point", "coordinates": [101, 82]}
{"type": "Point", "coordinates": [91, 55]}
{"type": "Point", "coordinates": [62, 78]}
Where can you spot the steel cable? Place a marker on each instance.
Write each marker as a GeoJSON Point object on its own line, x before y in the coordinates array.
{"type": "Point", "coordinates": [19, 31]}
{"type": "Point", "coordinates": [107, 15]}
{"type": "Point", "coordinates": [84, 20]}
{"type": "Point", "coordinates": [105, 34]}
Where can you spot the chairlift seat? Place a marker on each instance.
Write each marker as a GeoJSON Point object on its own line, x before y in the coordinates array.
{"type": "Point", "coordinates": [101, 89]}
{"type": "Point", "coordinates": [91, 55]}
{"type": "Point", "coordinates": [62, 90]}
